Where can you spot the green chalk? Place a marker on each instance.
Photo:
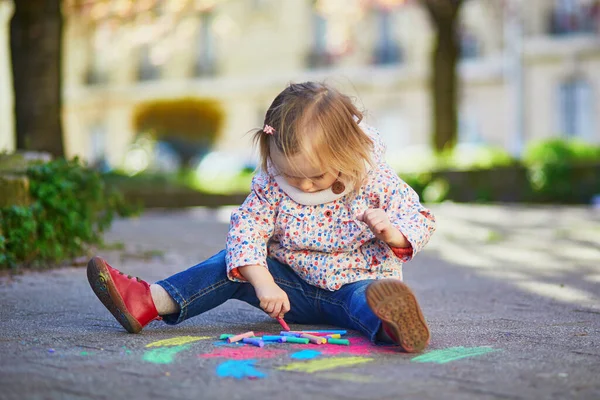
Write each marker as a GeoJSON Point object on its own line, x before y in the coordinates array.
{"type": "Point", "coordinates": [339, 341]}
{"type": "Point", "coordinates": [225, 336]}
{"type": "Point", "coordinates": [291, 339]}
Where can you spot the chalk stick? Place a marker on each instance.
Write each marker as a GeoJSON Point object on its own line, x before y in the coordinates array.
{"type": "Point", "coordinates": [254, 341]}
{"type": "Point", "coordinates": [345, 342]}
{"type": "Point", "coordinates": [325, 331]}
{"type": "Point", "coordinates": [279, 339]}
{"type": "Point", "coordinates": [239, 337]}
{"type": "Point", "coordinates": [314, 339]}
{"type": "Point", "coordinates": [292, 339]}
{"type": "Point", "coordinates": [323, 334]}
{"type": "Point", "coordinates": [334, 336]}
{"type": "Point", "coordinates": [225, 336]}
{"type": "Point", "coordinates": [295, 334]}
{"type": "Point", "coordinates": [283, 324]}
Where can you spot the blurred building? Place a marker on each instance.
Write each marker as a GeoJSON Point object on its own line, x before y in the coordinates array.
{"type": "Point", "coordinates": [529, 71]}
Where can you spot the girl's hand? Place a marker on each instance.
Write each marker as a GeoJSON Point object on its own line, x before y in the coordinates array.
{"type": "Point", "coordinates": [379, 223]}
{"type": "Point", "coordinates": [273, 300]}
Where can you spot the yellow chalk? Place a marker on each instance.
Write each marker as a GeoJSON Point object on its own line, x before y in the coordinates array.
{"type": "Point", "coordinates": [314, 339]}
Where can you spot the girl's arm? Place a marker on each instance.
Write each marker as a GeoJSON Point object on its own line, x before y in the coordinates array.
{"type": "Point", "coordinates": [410, 224]}
{"type": "Point", "coordinates": [251, 227]}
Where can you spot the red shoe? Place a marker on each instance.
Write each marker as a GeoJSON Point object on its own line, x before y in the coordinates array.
{"type": "Point", "coordinates": [396, 306]}
{"type": "Point", "coordinates": [127, 298]}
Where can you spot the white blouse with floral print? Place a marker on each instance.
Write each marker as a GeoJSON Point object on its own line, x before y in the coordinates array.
{"type": "Point", "coordinates": [325, 244]}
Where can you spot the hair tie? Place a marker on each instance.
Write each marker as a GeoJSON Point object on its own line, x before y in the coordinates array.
{"type": "Point", "coordinates": [268, 129]}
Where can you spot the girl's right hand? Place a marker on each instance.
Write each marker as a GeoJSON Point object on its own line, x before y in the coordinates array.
{"type": "Point", "coordinates": [273, 300]}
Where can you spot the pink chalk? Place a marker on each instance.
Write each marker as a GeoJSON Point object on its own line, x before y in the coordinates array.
{"type": "Point", "coordinates": [283, 324]}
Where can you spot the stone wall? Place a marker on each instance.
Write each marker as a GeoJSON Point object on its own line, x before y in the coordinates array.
{"type": "Point", "coordinates": [14, 185]}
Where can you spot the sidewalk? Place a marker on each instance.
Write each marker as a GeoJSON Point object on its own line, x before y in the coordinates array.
{"type": "Point", "coordinates": [512, 296]}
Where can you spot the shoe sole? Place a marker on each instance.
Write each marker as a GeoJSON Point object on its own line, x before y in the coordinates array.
{"type": "Point", "coordinates": [105, 289]}
{"type": "Point", "coordinates": [395, 304]}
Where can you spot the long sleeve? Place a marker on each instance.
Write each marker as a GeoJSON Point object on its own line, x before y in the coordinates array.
{"type": "Point", "coordinates": [406, 213]}
{"type": "Point", "coordinates": [251, 227]}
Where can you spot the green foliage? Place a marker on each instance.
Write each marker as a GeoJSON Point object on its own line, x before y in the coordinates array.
{"type": "Point", "coordinates": [461, 158]}
{"type": "Point", "coordinates": [474, 157]}
{"type": "Point", "coordinates": [238, 183]}
{"type": "Point", "coordinates": [71, 208]}
{"type": "Point", "coordinates": [550, 166]}
{"type": "Point", "coordinates": [436, 191]}
{"type": "Point", "coordinates": [417, 181]}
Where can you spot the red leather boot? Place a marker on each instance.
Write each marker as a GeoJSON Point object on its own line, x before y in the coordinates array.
{"type": "Point", "coordinates": [127, 298]}
{"type": "Point", "coordinates": [396, 306]}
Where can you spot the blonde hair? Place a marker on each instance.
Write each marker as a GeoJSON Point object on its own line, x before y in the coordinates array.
{"type": "Point", "coordinates": [319, 122]}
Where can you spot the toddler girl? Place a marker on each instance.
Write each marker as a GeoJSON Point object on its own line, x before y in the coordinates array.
{"type": "Point", "coordinates": [320, 239]}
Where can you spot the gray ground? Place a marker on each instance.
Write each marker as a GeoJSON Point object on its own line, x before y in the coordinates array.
{"type": "Point", "coordinates": [523, 282]}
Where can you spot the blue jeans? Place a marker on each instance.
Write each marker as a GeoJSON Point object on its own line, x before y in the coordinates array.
{"type": "Point", "coordinates": [205, 286]}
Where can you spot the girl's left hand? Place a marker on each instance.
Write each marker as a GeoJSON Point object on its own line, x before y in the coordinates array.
{"type": "Point", "coordinates": [379, 223]}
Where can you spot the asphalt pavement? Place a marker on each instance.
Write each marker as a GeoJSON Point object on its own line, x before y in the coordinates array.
{"type": "Point", "coordinates": [511, 294]}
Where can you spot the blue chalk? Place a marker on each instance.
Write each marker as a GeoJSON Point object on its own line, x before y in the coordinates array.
{"type": "Point", "coordinates": [295, 334]}
{"type": "Point", "coordinates": [279, 339]}
{"type": "Point", "coordinates": [255, 341]}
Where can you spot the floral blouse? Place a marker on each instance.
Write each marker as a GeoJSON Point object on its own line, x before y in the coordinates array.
{"type": "Point", "coordinates": [325, 244]}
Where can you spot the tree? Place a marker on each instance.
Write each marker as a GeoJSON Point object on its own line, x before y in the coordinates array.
{"type": "Point", "coordinates": [189, 125]}
{"type": "Point", "coordinates": [444, 15]}
{"type": "Point", "coordinates": [35, 44]}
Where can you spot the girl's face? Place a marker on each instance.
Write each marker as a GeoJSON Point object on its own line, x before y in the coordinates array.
{"type": "Point", "coordinates": [299, 173]}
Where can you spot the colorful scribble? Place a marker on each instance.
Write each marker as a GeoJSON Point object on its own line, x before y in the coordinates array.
{"type": "Point", "coordinates": [243, 353]}
{"type": "Point", "coordinates": [239, 369]}
{"type": "Point", "coordinates": [224, 343]}
{"type": "Point", "coordinates": [358, 346]}
{"type": "Point", "coordinates": [452, 354]}
{"type": "Point", "coordinates": [306, 354]}
{"type": "Point", "coordinates": [163, 355]}
{"type": "Point", "coordinates": [177, 341]}
{"type": "Point", "coordinates": [350, 377]}
{"type": "Point", "coordinates": [325, 364]}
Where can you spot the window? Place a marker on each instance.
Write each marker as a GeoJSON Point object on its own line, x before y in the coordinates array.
{"type": "Point", "coordinates": [574, 16]}
{"type": "Point", "coordinates": [205, 56]}
{"type": "Point", "coordinates": [319, 55]}
{"type": "Point", "coordinates": [147, 68]}
{"type": "Point", "coordinates": [575, 109]}
{"type": "Point", "coordinates": [97, 146]}
{"type": "Point", "coordinates": [96, 71]}
{"type": "Point", "coordinates": [387, 50]}
{"type": "Point", "coordinates": [470, 47]}
{"type": "Point", "coordinates": [333, 24]}
{"type": "Point", "coordinates": [468, 129]}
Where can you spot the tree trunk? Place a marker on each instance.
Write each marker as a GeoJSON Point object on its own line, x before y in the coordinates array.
{"type": "Point", "coordinates": [444, 88]}
{"type": "Point", "coordinates": [35, 43]}
{"type": "Point", "coordinates": [444, 82]}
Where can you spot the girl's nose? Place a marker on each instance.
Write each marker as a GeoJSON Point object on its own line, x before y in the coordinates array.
{"type": "Point", "coordinates": [305, 184]}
